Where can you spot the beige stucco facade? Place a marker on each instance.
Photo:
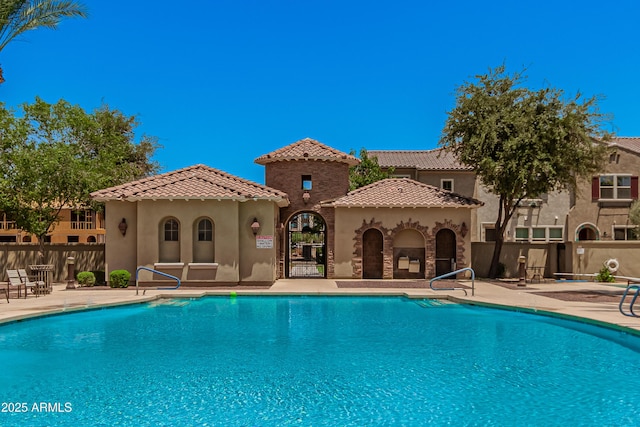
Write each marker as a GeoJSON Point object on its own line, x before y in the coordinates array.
{"type": "Point", "coordinates": [608, 218]}
{"type": "Point", "coordinates": [237, 259]}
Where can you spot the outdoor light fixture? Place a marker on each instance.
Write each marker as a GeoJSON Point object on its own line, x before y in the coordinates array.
{"type": "Point", "coordinates": [123, 227]}
{"type": "Point", "coordinates": [464, 229]}
{"type": "Point", "coordinates": [255, 226]}
{"type": "Point", "coordinates": [306, 196]}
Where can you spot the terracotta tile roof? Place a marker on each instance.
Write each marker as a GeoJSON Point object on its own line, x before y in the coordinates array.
{"type": "Point", "coordinates": [307, 149]}
{"type": "Point", "coordinates": [437, 159]}
{"type": "Point", "coordinates": [629, 143]}
{"type": "Point", "coordinates": [403, 192]}
{"type": "Point", "coordinates": [195, 182]}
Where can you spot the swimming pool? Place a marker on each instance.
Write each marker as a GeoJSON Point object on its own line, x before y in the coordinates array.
{"type": "Point", "coordinates": [348, 361]}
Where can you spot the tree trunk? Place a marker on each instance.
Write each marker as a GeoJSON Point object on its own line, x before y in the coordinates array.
{"type": "Point", "coordinates": [41, 254]}
{"type": "Point", "coordinates": [495, 260]}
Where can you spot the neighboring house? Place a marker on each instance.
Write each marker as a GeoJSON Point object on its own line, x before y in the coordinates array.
{"type": "Point", "coordinates": [536, 220]}
{"type": "Point", "coordinates": [206, 226]}
{"type": "Point", "coordinates": [601, 209]}
{"type": "Point", "coordinates": [75, 226]}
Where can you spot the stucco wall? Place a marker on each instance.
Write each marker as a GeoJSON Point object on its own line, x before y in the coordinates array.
{"type": "Point", "coordinates": [463, 182]}
{"type": "Point", "coordinates": [349, 222]}
{"type": "Point", "coordinates": [87, 257]}
{"type": "Point", "coordinates": [235, 249]}
{"type": "Point", "coordinates": [550, 210]}
{"type": "Point", "coordinates": [597, 252]}
{"type": "Point", "coordinates": [602, 216]}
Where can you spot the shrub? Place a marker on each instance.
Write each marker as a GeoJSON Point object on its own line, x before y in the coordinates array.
{"type": "Point", "coordinates": [86, 278]}
{"type": "Point", "coordinates": [604, 275]}
{"type": "Point", "coordinates": [119, 278]}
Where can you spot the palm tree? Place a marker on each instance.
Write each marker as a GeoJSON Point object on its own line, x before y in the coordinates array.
{"type": "Point", "coordinates": [19, 16]}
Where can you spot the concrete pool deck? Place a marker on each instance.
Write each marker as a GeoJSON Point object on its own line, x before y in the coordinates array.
{"type": "Point", "coordinates": [593, 302]}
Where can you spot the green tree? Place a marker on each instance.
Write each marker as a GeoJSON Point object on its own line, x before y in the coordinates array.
{"type": "Point", "coordinates": [55, 155]}
{"type": "Point", "coordinates": [523, 143]}
{"type": "Point", "coordinates": [367, 171]}
{"type": "Point", "coordinates": [20, 16]}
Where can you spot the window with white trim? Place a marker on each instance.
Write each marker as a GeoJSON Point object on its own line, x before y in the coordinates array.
{"type": "Point", "coordinates": [624, 232]}
{"type": "Point", "coordinates": [171, 230]}
{"type": "Point", "coordinates": [542, 233]}
{"type": "Point", "coordinates": [489, 232]}
{"type": "Point", "coordinates": [522, 233]}
{"type": "Point", "coordinates": [615, 187]}
{"type": "Point", "coordinates": [446, 184]}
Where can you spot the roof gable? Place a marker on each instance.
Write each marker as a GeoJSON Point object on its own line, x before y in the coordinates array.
{"type": "Point", "coordinates": [628, 143]}
{"type": "Point", "coordinates": [307, 149]}
{"type": "Point", "coordinates": [404, 192]}
{"type": "Point", "coordinates": [194, 182]}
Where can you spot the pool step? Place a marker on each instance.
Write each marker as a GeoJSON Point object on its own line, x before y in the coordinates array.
{"type": "Point", "coordinates": [432, 302]}
{"type": "Point", "coordinates": [169, 302]}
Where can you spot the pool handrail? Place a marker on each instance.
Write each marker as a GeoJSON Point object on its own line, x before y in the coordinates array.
{"type": "Point", "coordinates": [631, 313]}
{"type": "Point", "coordinates": [157, 272]}
{"type": "Point", "coordinates": [453, 273]}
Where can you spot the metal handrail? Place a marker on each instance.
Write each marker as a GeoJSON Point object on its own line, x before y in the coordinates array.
{"type": "Point", "coordinates": [453, 273]}
{"type": "Point", "coordinates": [633, 300]}
{"type": "Point", "coordinates": [157, 272]}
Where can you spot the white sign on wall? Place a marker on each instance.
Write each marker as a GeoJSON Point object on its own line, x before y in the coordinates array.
{"type": "Point", "coordinates": [264, 242]}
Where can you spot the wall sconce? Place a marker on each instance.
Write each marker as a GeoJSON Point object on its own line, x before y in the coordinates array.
{"type": "Point", "coordinates": [123, 227]}
{"type": "Point", "coordinates": [255, 226]}
{"type": "Point", "coordinates": [306, 196]}
{"type": "Point", "coordinates": [463, 229]}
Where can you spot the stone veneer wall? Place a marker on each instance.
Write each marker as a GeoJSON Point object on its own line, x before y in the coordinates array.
{"type": "Point", "coordinates": [389, 236]}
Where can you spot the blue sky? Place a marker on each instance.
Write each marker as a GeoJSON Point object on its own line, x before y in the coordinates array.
{"type": "Point", "coordinates": [222, 82]}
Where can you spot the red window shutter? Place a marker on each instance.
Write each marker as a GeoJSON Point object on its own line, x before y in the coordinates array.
{"type": "Point", "coordinates": [634, 187]}
{"type": "Point", "coordinates": [595, 188]}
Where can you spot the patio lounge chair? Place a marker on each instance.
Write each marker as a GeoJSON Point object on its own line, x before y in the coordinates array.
{"type": "Point", "coordinates": [5, 291]}
{"type": "Point", "coordinates": [37, 287]}
{"type": "Point", "coordinates": [14, 281]}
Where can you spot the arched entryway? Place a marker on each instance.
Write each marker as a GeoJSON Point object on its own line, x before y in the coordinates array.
{"type": "Point", "coordinates": [307, 247]}
{"type": "Point", "coordinates": [587, 232]}
{"type": "Point", "coordinates": [372, 248]}
{"type": "Point", "coordinates": [445, 251]}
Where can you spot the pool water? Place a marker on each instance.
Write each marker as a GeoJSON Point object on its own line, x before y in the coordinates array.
{"type": "Point", "coordinates": [335, 361]}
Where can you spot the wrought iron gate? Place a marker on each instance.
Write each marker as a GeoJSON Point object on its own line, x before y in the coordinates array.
{"type": "Point", "coordinates": [306, 240]}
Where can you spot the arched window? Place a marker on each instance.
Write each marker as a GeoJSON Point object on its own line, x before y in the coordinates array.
{"type": "Point", "coordinates": [171, 233]}
{"type": "Point", "coordinates": [205, 230]}
{"type": "Point", "coordinates": [169, 240]}
{"type": "Point", "coordinates": [203, 240]}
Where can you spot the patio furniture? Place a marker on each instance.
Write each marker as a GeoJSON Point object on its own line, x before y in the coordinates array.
{"type": "Point", "coordinates": [42, 272]}
{"type": "Point", "coordinates": [5, 291]}
{"type": "Point", "coordinates": [14, 281]}
{"type": "Point", "coordinates": [536, 273]}
{"type": "Point", "coordinates": [38, 287]}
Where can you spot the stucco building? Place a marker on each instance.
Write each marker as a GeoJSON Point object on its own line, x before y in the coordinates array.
{"type": "Point", "coordinates": [209, 227]}
{"type": "Point", "coordinates": [601, 209]}
{"type": "Point", "coordinates": [540, 220]}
